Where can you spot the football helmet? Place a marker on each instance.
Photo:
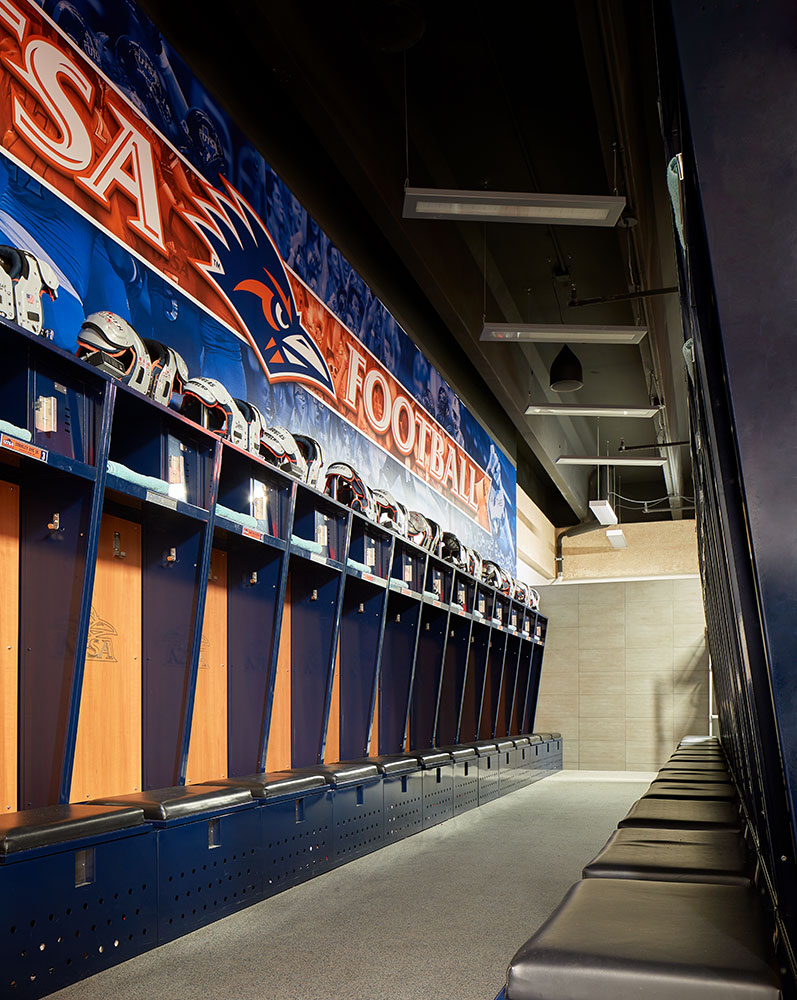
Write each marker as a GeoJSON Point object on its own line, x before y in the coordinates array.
{"type": "Point", "coordinates": [255, 424]}
{"type": "Point", "coordinates": [521, 592]}
{"type": "Point", "coordinates": [169, 371]}
{"type": "Point", "coordinates": [419, 530]}
{"type": "Point", "coordinates": [279, 447]}
{"type": "Point", "coordinates": [389, 511]}
{"type": "Point", "coordinates": [312, 455]}
{"type": "Point", "coordinates": [534, 599]}
{"type": "Point", "coordinates": [207, 402]}
{"type": "Point", "coordinates": [343, 484]}
{"type": "Point", "coordinates": [453, 550]}
{"type": "Point", "coordinates": [436, 539]}
{"type": "Point", "coordinates": [23, 280]}
{"type": "Point", "coordinates": [507, 586]}
{"type": "Point", "coordinates": [110, 344]}
{"type": "Point", "coordinates": [491, 573]}
{"type": "Point", "coordinates": [475, 563]}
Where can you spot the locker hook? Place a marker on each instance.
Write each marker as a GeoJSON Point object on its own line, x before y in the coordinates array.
{"type": "Point", "coordinates": [117, 546]}
{"type": "Point", "coordinates": [55, 524]}
{"type": "Point", "coordinates": [253, 578]}
{"type": "Point", "coordinates": [170, 556]}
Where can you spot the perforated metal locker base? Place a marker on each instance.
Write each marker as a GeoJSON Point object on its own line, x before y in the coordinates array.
{"type": "Point", "coordinates": [357, 812]}
{"type": "Point", "coordinates": [507, 763]}
{"type": "Point", "coordinates": [55, 932]}
{"type": "Point", "coordinates": [488, 778]}
{"type": "Point", "coordinates": [403, 805]}
{"type": "Point", "coordinates": [438, 794]}
{"type": "Point", "coordinates": [207, 868]}
{"type": "Point", "coordinates": [297, 840]}
{"type": "Point", "coordinates": [466, 785]}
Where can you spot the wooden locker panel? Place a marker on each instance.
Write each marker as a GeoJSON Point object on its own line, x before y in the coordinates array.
{"type": "Point", "coordinates": [9, 643]}
{"type": "Point", "coordinates": [108, 748]}
{"type": "Point", "coordinates": [332, 750]}
{"type": "Point", "coordinates": [207, 754]}
{"type": "Point", "coordinates": [278, 753]}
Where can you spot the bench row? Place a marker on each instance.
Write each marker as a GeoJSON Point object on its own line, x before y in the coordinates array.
{"type": "Point", "coordinates": [669, 909]}
{"type": "Point", "coordinates": [88, 885]}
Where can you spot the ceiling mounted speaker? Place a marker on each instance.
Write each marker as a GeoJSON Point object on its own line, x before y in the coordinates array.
{"type": "Point", "coordinates": [566, 373]}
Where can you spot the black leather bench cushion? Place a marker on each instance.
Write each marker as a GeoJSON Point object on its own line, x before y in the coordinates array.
{"type": "Point", "coordinates": [713, 741]}
{"type": "Point", "coordinates": [556, 736]}
{"type": "Point", "coordinates": [461, 753]}
{"type": "Point", "coordinates": [721, 790]}
{"type": "Point", "coordinates": [166, 804]}
{"type": "Point", "coordinates": [433, 757]}
{"type": "Point", "coordinates": [533, 737]}
{"type": "Point", "coordinates": [343, 773]}
{"type": "Point", "coordinates": [483, 748]}
{"type": "Point", "coordinates": [621, 939]}
{"type": "Point", "coordinates": [545, 736]}
{"type": "Point", "coordinates": [520, 741]}
{"type": "Point", "coordinates": [716, 856]}
{"type": "Point", "coordinates": [31, 828]}
{"type": "Point", "coordinates": [505, 745]}
{"type": "Point", "coordinates": [697, 765]}
{"type": "Point", "coordinates": [708, 757]}
{"type": "Point", "coordinates": [390, 763]}
{"type": "Point", "coordinates": [274, 784]}
{"type": "Point", "coordinates": [684, 814]}
{"type": "Point", "coordinates": [690, 777]}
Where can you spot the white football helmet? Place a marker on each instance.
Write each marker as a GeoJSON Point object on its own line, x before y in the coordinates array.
{"type": "Point", "coordinates": [23, 280]}
{"type": "Point", "coordinates": [279, 447]}
{"type": "Point", "coordinates": [207, 402]}
{"type": "Point", "coordinates": [110, 344]}
{"type": "Point", "coordinates": [343, 484]}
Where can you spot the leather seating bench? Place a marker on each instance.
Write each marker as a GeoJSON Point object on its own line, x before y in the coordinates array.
{"type": "Point", "coordinates": [69, 875]}
{"type": "Point", "coordinates": [723, 791]}
{"type": "Point", "coordinates": [682, 814]}
{"type": "Point", "coordinates": [626, 939]}
{"type": "Point", "coordinates": [295, 825]}
{"type": "Point", "coordinates": [717, 856]}
{"type": "Point", "coordinates": [209, 861]}
{"type": "Point", "coordinates": [438, 785]}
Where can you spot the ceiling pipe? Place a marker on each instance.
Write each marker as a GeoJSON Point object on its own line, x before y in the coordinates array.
{"type": "Point", "coordinates": [577, 529]}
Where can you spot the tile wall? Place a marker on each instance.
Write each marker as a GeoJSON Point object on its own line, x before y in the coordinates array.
{"type": "Point", "coordinates": [625, 673]}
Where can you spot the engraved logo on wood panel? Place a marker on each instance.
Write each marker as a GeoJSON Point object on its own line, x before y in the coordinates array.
{"type": "Point", "coordinates": [100, 641]}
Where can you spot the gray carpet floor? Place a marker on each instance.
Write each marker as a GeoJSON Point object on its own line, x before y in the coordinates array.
{"type": "Point", "coordinates": [437, 915]}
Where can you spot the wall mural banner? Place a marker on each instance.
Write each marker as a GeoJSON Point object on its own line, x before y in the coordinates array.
{"type": "Point", "coordinates": [120, 171]}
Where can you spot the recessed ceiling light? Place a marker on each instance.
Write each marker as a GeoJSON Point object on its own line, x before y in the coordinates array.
{"type": "Point", "coordinates": [509, 206]}
{"type": "Point", "coordinates": [608, 460]}
{"type": "Point", "coordinates": [573, 410]}
{"type": "Point", "coordinates": [550, 333]}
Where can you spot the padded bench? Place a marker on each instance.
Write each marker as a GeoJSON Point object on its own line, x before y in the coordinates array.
{"type": "Point", "coordinates": [682, 814]}
{"type": "Point", "coordinates": [525, 755]}
{"type": "Point", "coordinates": [79, 890]}
{"type": "Point", "coordinates": [720, 790]}
{"type": "Point", "coordinates": [690, 777]}
{"type": "Point", "coordinates": [209, 863]}
{"type": "Point", "coordinates": [697, 765]}
{"type": "Point", "coordinates": [717, 856]}
{"type": "Point", "coordinates": [357, 807]}
{"type": "Point", "coordinates": [623, 939]}
{"type": "Point", "coordinates": [295, 825]}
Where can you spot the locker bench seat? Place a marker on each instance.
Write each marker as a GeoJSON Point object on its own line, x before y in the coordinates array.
{"type": "Point", "coordinates": [487, 752]}
{"type": "Point", "coordinates": [716, 856]}
{"type": "Point", "coordinates": [208, 848]}
{"type": "Point", "coordinates": [357, 807]}
{"type": "Point", "coordinates": [49, 825]}
{"type": "Point", "coordinates": [438, 785]}
{"type": "Point", "coordinates": [682, 814]}
{"type": "Point", "coordinates": [678, 774]}
{"type": "Point", "coordinates": [621, 939]}
{"type": "Point", "coordinates": [720, 790]}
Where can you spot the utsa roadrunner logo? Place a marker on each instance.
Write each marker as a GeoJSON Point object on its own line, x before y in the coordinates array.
{"type": "Point", "coordinates": [100, 641]}
{"type": "Point", "coordinates": [247, 270]}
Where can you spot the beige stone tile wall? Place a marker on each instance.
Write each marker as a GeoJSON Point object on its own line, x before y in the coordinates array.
{"type": "Point", "coordinates": [625, 671]}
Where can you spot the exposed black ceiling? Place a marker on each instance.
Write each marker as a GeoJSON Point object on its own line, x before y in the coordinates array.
{"type": "Point", "coordinates": [349, 100]}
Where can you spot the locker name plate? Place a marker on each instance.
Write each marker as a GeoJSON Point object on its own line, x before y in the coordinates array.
{"type": "Point", "coordinates": [23, 448]}
{"type": "Point", "coordinates": [159, 498]}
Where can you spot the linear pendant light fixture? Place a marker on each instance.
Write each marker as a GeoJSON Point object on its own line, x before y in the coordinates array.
{"type": "Point", "coordinates": [609, 460]}
{"type": "Point", "coordinates": [550, 333]}
{"type": "Point", "coordinates": [574, 410]}
{"type": "Point", "coordinates": [508, 206]}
